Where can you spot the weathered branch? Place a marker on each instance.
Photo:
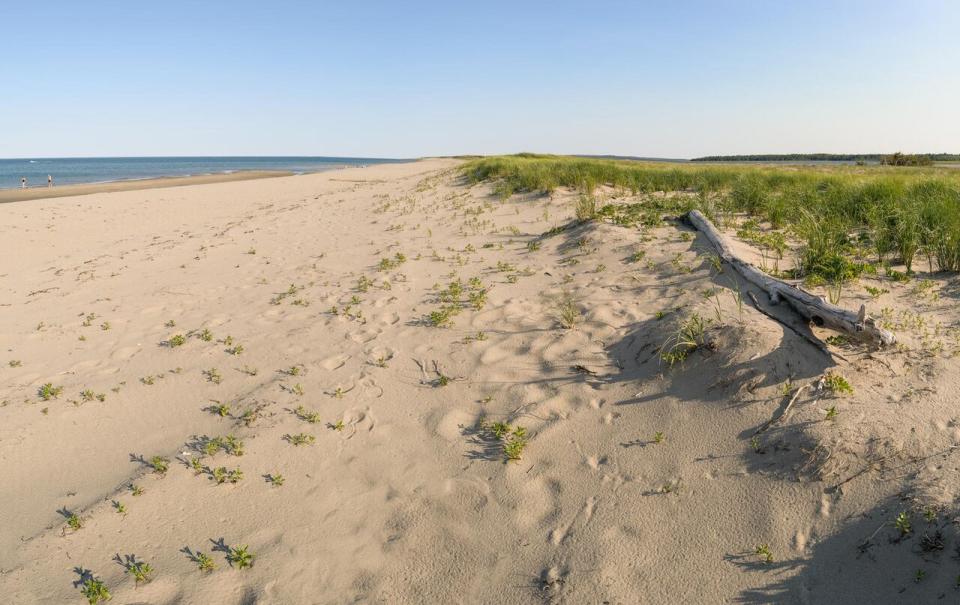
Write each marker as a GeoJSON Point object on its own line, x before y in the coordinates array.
{"type": "Point", "coordinates": [812, 308]}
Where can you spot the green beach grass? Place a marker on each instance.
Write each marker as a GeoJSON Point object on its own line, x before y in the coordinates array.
{"type": "Point", "coordinates": [848, 219]}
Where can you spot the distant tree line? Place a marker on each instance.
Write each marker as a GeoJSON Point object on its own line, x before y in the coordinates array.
{"type": "Point", "coordinates": [895, 159]}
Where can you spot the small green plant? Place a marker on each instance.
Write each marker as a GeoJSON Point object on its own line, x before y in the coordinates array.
{"type": "Point", "coordinates": [276, 479]}
{"type": "Point", "coordinates": [140, 571]}
{"type": "Point", "coordinates": [241, 557]}
{"type": "Point", "coordinates": [177, 340]}
{"type": "Point", "coordinates": [920, 575]}
{"type": "Point", "coordinates": [902, 523]}
{"type": "Point", "coordinates": [292, 371]}
{"type": "Point", "coordinates": [223, 475]}
{"type": "Point", "coordinates": [105, 326]}
{"type": "Point", "coordinates": [149, 380]}
{"type": "Point", "coordinates": [515, 443]}
{"type": "Point", "coordinates": [303, 414]}
{"type": "Point", "coordinates": [159, 464]}
{"type": "Point", "coordinates": [831, 412]}
{"type": "Point", "coordinates": [301, 439]}
{"type": "Point", "coordinates": [48, 391]}
{"type": "Point", "coordinates": [250, 371]}
{"type": "Point", "coordinates": [120, 507]}
{"type": "Point", "coordinates": [213, 375]}
{"type": "Point", "coordinates": [170, 323]}
{"type": "Point", "coordinates": [95, 591]}
{"type": "Point", "coordinates": [837, 383]}
{"type": "Point", "coordinates": [222, 410]}
{"type": "Point", "coordinates": [763, 551]}
{"type": "Point", "coordinates": [204, 561]}
{"type": "Point", "coordinates": [74, 522]}
{"type": "Point", "coordinates": [205, 335]}
{"type": "Point", "coordinates": [658, 437]}
{"type": "Point", "coordinates": [136, 490]}
{"type": "Point", "coordinates": [14, 363]}
{"type": "Point", "coordinates": [236, 350]}
{"type": "Point", "coordinates": [755, 445]}
{"type": "Point", "coordinates": [533, 246]}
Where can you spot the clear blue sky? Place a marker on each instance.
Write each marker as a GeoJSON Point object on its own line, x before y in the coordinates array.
{"type": "Point", "coordinates": [404, 79]}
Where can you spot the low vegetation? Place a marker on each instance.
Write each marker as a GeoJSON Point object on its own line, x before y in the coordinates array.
{"type": "Point", "coordinates": [849, 220]}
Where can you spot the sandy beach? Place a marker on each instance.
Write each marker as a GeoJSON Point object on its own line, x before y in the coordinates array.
{"type": "Point", "coordinates": [381, 385]}
{"type": "Point", "coordinates": [38, 193]}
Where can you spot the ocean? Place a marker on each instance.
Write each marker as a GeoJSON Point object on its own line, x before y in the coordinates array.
{"type": "Point", "coordinates": [66, 171]}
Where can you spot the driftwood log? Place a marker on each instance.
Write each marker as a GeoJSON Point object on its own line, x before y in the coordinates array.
{"type": "Point", "coordinates": [812, 308]}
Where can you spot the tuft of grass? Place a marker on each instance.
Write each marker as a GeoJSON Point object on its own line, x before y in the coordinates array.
{"type": "Point", "coordinates": [690, 335]}
{"type": "Point", "coordinates": [567, 310]}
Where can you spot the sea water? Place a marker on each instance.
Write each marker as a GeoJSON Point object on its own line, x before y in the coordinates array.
{"type": "Point", "coordinates": [66, 171]}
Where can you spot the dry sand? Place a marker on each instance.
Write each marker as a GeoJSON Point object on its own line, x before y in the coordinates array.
{"type": "Point", "coordinates": [410, 500]}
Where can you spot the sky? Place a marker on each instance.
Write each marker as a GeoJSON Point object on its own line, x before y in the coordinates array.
{"type": "Point", "coordinates": [674, 79]}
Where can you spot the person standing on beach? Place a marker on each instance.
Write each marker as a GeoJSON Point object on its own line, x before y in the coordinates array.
{"type": "Point", "coordinates": [49, 180]}
{"type": "Point", "coordinates": [23, 182]}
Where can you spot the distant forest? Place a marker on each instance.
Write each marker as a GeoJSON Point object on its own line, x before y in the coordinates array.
{"type": "Point", "coordinates": [894, 159]}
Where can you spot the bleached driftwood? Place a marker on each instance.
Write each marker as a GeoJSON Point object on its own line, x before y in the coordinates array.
{"type": "Point", "coordinates": [812, 308]}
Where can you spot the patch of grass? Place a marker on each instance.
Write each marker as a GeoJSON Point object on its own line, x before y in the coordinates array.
{"type": "Point", "coordinates": [690, 335]}
{"type": "Point", "coordinates": [567, 310]}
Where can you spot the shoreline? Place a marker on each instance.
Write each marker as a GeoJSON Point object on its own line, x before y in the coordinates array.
{"type": "Point", "coordinates": [40, 193]}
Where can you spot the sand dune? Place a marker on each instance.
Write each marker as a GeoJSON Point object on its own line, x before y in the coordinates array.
{"type": "Point", "coordinates": [284, 327]}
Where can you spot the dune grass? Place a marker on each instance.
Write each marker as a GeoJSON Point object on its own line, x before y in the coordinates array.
{"type": "Point", "coordinates": [849, 219]}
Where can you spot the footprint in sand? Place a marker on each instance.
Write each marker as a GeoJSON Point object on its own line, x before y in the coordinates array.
{"type": "Point", "coordinates": [334, 363]}
{"type": "Point", "coordinates": [558, 535]}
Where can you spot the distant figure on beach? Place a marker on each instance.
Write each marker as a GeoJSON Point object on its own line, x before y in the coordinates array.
{"type": "Point", "coordinates": [49, 180]}
{"type": "Point", "coordinates": [23, 182]}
